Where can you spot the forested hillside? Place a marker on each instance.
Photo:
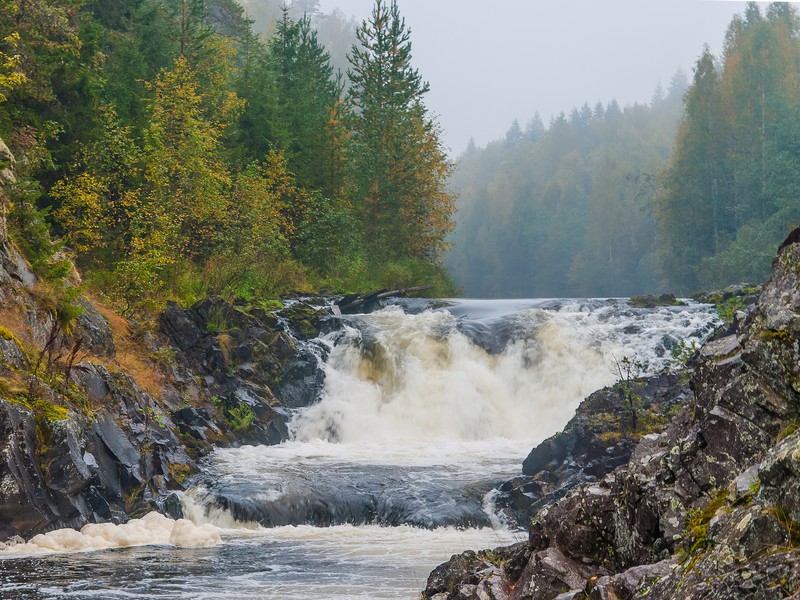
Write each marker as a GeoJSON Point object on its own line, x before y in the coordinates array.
{"type": "Point", "coordinates": [172, 152]}
{"type": "Point", "coordinates": [567, 209]}
{"type": "Point", "coordinates": [611, 201]}
{"type": "Point", "coordinates": [732, 189]}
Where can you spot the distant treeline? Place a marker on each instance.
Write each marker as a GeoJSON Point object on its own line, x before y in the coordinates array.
{"type": "Point", "coordinates": [693, 191]}
{"type": "Point", "coordinates": [565, 210]}
{"type": "Point", "coordinates": [173, 151]}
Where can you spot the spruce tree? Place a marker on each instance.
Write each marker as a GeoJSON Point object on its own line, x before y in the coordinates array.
{"type": "Point", "coordinates": [398, 165]}
{"type": "Point", "coordinates": [308, 95]}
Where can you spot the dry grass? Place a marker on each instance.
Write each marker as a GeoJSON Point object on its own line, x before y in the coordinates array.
{"type": "Point", "coordinates": [132, 356]}
{"type": "Point", "coordinates": [12, 318]}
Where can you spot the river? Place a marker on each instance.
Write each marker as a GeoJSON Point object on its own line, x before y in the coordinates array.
{"type": "Point", "coordinates": [426, 408]}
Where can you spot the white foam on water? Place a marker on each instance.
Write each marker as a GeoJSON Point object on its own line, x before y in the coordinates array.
{"type": "Point", "coordinates": [152, 529]}
{"type": "Point", "coordinates": [401, 378]}
{"type": "Point", "coordinates": [478, 457]}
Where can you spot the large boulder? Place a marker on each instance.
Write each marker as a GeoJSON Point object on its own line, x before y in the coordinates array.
{"type": "Point", "coordinates": [63, 468]}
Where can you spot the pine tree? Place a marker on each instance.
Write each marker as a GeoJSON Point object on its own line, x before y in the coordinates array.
{"type": "Point", "coordinates": [398, 165]}
{"type": "Point", "coordinates": [691, 210]}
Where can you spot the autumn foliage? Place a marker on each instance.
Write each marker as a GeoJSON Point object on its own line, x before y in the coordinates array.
{"type": "Point", "coordinates": [181, 154]}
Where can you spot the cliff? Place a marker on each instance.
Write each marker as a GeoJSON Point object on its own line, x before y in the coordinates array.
{"type": "Point", "coordinates": [705, 507]}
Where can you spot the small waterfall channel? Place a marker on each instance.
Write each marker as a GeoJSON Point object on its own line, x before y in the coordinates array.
{"type": "Point", "coordinates": [425, 410]}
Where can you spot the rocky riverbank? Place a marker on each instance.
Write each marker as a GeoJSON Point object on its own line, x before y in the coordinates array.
{"type": "Point", "coordinates": [704, 507]}
{"type": "Point", "coordinates": [101, 421]}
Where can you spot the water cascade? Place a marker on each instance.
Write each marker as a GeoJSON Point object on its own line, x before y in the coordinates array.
{"type": "Point", "coordinates": [424, 412]}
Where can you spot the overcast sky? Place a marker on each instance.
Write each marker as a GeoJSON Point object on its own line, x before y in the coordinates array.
{"type": "Point", "coordinates": [491, 62]}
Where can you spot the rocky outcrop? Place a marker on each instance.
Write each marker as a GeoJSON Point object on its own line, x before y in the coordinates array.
{"type": "Point", "coordinates": [653, 301]}
{"type": "Point", "coordinates": [744, 293]}
{"type": "Point", "coordinates": [706, 508]}
{"type": "Point", "coordinates": [60, 467]}
{"type": "Point", "coordinates": [597, 440]}
{"type": "Point", "coordinates": [85, 443]}
{"type": "Point", "coordinates": [249, 358]}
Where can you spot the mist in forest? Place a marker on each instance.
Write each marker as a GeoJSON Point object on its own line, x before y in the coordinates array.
{"type": "Point", "coordinates": [489, 63]}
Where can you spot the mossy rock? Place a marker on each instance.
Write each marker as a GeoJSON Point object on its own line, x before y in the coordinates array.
{"type": "Point", "coordinates": [305, 320]}
{"type": "Point", "coordinates": [654, 301]}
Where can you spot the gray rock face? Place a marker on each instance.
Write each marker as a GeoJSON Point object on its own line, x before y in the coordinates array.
{"type": "Point", "coordinates": [92, 328]}
{"type": "Point", "coordinates": [11, 355]}
{"type": "Point", "coordinates": [707, 508]}
{"type": "Point", "coordinates": [247, 357]}
{"type": "Point", "coordinates": [597, 440]}
{"type": "Point", "coordinates": [67, 472]}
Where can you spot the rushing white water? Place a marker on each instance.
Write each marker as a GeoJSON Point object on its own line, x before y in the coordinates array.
{"type": "Point", "coordinates": [423, 413]}
{"type": "Point", "coordinates": [394, 377]}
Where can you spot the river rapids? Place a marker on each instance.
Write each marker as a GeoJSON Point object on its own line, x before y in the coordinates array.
{"type": "Point", "coordinates": [426, 409]}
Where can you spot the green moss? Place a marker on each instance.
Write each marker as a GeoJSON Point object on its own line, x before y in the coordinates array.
{"type": "Point", "coordinates": [788, 429]}
{"type": "Point", "coordinates": [49, 411]}
{"type": "Point", "coordinates": [270, 304]}
{"type": "Point", "coordinates": [7, 334]}
{"type": "Point", "coordinates": [654, 301]}
{"type": "Point", "coordinates": [780, 335]}
{"type": "Point", "coordinates": [493, 557]}
{"type": "Point", "coordinates": [180, 472]}
{"type": "Point", "coordinates": [697, 521]}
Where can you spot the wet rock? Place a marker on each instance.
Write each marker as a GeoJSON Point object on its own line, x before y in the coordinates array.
{"type": "Point", "coordinates": [180, 328]}
{"type": "Point", "coordinates": [195, 422]}
{"type": "Point", "coordinates": [305, 321]}
{"type": "Point", "coordinates": [597, 440]}
{"type": "Point", "coordinates": [243, 357]}
{"type": "Point", "coordinates": [654, 301]}
{"type": "Point", "coordinates": [548, 574]}
{"type": "Point", "coordinates": [458, 578]}
{"type": "Point", "coordinates": [172, 507]}
{"type": "Point", "coordinates": [302, 380]}
{"type": "Point", "coordinates": [631, 583]}
{"type": "Point", "coordinates": [747, 293]}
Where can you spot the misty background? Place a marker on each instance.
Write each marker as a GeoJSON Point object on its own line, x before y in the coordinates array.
{"type": "Point", "coordinates": [564, 120]}
{"type": "Point", "coordinates": [491, 63]}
